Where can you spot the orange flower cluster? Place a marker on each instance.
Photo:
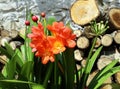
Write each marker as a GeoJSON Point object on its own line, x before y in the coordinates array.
{"type": "Point", "coordinates": [47, 46]}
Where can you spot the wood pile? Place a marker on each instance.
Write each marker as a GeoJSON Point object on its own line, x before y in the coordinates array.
{"type": "Point", "coordinates": [82, 13]}
{"type": "Point", "coordinates": [11, 37]}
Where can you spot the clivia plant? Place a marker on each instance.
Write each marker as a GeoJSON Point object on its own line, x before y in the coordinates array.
{"type": "Point", "coordinates": [46, 59]}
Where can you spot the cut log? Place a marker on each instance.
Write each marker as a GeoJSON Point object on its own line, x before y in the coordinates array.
{"type": "Point", "coordinates": [108, 80]}
{"type": "Point", "coordinates": [114, 15]}
{"type": "Point", "coordinates": [84, 11]}
{"type": "Point", "coordinates": [92, 75]}
{"type": "Point", "coordinates": [87, 31]}
{"type": "Point", "coordinates": [13, 34]}
{"type": "Point", "coordinates": [4, 40]}
{"type": "Point", "coordinates": [98, 43]}
{"type": "Point", "coordinates": [83, 63]}
{"type": "Point", "coordinates": [117, 55]}
{"type": "Point", "coordinates": [3, 59]}
{"type": "Point", "coordinates": [117, 77]}
{"type": "Point", "coordinates": [78, 33]}
{"type": "Point", "coordinates": [82, 42]}
{"type": "Point", "coordinates": [107, 40]}
{"type": "Point", "coordinates": [103, 61]}
{"type": "Point", "coordinates": [118, 30]}
{"type": "Point", "coordinates": [117, 38]}
{"type": "Point", "coordinates": [22, 32]}
{"type": "Point", "coordinates": [15, 44]}
{"type": "Point", "coordinates": [4, 33]}
{"type": "Point", "coordinates": [106, 86]}
{"type": "Point", "coordinates": [78, 55]}
{"type": "Point", "coordinates": [78, 66]}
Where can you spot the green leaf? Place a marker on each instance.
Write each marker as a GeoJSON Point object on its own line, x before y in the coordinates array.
{"type": "Point", "coordinates": [69, 66]}
{"type": "Point", "coordinates": [9, 52]}
{"type": "Point", "coordinates": [48, 74]}
{"type": "Point", "coordinates": [92, 60]}
{"type": "Point", "coordinates": [26, 51]}
{"type": "Point", "coordinates": [106, 75]}
{"type": "Point", "coordinates": [37, 86]}
{"type": "Point", "coordinates": [20, 58]}
{"type": "Point", "coordinates": [5, 52]}
{"type": "Point", "coordinates": [115, 86]}
{"type": "Point", "coordinates": [22, 48]}
{"type": "Point", "coordinates": [89, 66]}
{"type": "Point", "coordinates": [9, 49]}
{"type": "Point", "coordinates": [11, 69]}
{"type": "Point", "coordinates": [4, 72]}
{"type": "Point", "coordinates": [17, 84]}
{"type": "Point", "coordinates": [50, 20]}
{"type": "Point", "coordinates": [101, 73]}
{"type": "Point", "coordinates": [1, 76]}
{"type": "Point", "coordinates": [27, 70]}
{"type": "Point", "coordinates": [29, 50]}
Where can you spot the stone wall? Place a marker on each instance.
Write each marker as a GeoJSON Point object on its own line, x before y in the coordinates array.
{"type": "Point", "coordinates": [13, 12]}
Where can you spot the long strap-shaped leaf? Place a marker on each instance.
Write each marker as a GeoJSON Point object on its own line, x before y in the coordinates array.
{"type": "Point", "coordinates": [89, 66]}
{"type": "Point", "coordinates": [69, 66]}
{"type": "Point", "coordinates": [92, 60]}
{"type": "Point", "coordinates": [32, 85]}
{"type": "Point", "coordinates": [100, 74]}
{"type": "Point", "coordinates": [105, 76]}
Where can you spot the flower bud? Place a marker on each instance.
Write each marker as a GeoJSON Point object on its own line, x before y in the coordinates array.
{"type": "Point", "coordinates": [27, 23]}
{"type": "Point", "coordinates": [35, 18]}
{"type": "Point", "coordinates": [43, 14]}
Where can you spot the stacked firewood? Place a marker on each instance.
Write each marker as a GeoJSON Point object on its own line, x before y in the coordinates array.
{"type": "Point", "coordinates": [11, 37]}
{"type": "Point", "coordinates": [111, 43]}
{"type": "Point", "coordinates": [82, 13]}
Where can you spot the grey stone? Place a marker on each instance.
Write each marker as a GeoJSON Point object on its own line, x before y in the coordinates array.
{"type": "Point", "coordinates": [15, 10]}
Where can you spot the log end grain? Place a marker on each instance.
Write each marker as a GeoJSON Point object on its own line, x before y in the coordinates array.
{"type": "Point", "coordinates": [84, 11]}
{"type": "Point", "coordinates": [117, 38]}
{"type": "Point", "coordinates": [82, 42]}
{"type": "Point", "coordinates": [114, 15]}
{"type": "Point", "coordinates": [107, 40]}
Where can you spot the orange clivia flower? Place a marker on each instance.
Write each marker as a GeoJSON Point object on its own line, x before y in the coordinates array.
{"type": "Point", "coordinates": [44, 51]}
{"type": "Point", "coordinates": [40, 44]}
{"type": "Point", "coordinates": [37, 36]}
{"type": "Point", "coordinates": [59, 30]}
{"type": "Point", "coordinates": [46, 46]}
{"type": "Point", "coordinates": [57, 44]}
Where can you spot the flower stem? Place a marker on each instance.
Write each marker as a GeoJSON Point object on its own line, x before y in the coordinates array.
{"type": "Point", "coordinates": [91, 50]}
{"type": "Point", "coordinates": [55, 73]}
{"type": "Point", "coordinates": [86, 74]}
{"type": "Point", "coordinates": [45, 25]}
{"type": "Point", "coordinates": [45, 83]}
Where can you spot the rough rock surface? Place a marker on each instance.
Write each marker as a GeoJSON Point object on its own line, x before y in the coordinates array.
{"type": "Point", "coordinates": [12, 12]}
